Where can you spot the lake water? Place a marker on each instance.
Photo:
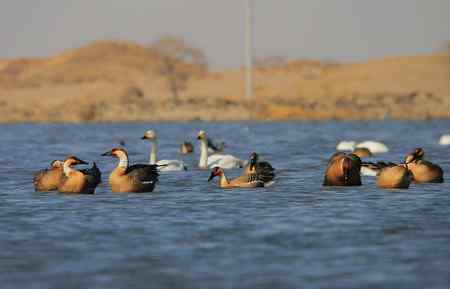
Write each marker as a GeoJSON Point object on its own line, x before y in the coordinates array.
{"type": "Point", "coordinates": [189, 233]}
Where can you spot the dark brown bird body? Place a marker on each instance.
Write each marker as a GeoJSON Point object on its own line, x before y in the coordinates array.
{"type": "Point", "coordinates": [343, 170]}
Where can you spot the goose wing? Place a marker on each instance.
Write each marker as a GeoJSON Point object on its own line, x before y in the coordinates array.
{"type": "Point", "coordinates": [265, 172]}
{"type": "Point", "coordinates": [143, 173]}
{"type": "Point", "coordinates": [93, 175]}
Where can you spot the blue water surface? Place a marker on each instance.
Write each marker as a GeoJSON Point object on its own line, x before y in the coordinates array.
{"type": "Point", "coordinates": [189, 233]}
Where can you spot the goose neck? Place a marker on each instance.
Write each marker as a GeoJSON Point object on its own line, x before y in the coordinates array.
{"type": "Point", "coordinates": [67, 169]}
{"type": "Point", "coordinates": [223, 181]}
{"type": "Point", "coordinates": [123, 161]}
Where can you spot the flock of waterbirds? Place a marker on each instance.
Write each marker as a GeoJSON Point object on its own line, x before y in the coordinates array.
{"type": "Point", "coordinates": [343, 169]}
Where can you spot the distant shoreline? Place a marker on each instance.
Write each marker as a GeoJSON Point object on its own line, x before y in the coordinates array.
{"type": "Point", "coordinates": [109, 81]}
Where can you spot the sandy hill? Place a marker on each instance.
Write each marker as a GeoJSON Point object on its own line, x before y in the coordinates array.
{"type": "Point", "coordinates": [120, 81]}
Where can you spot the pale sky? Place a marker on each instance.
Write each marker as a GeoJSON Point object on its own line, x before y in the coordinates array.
{"type": "Point", "coordinates": [343, 30]}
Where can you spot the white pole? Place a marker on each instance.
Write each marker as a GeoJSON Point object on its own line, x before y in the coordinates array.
{"type": "Point", "coordinates": [249, 50]}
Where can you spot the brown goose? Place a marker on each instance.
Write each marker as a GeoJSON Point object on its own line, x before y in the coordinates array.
{"type": "Point", "coordinates": [78, 181]}
{"type": "Point", "coordinates": [48, 179]}
{"type": "Point", "coordinates": [186, 148]}
{"type": "Point", "coordinates": [394, 177]}
{"type": "Point", "coordinates": [423, 171]}
{"type": "Point", "coordinates": [138, 178]}
{"type": "Point", "coordinates": [245, 181]}
{"type": "Point", "coordinates": [263, 169]}
{"type": "Point", "coordinates": [343, 170]}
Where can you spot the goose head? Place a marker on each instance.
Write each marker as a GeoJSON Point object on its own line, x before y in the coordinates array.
{"type": "Point", "coordinates": [216, 171]}
{"type": "Point", "coordinates": [72, 160]}
{"type": "Point", "coordinates": [253, 160]}
{"type": "Point", "coordinates": [116, 152]}
{"type": "Point", "coordinates": [416, 155]}
{"type": "Point", "coordinates": [201, 135]}
{"type": "Point", "coordinates": [149, 135]}
{"type": "Point", "coordinates": [356, 160]}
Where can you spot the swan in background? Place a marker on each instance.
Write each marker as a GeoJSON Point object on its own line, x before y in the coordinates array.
{"type": "Point", "coordinates": [445, 140]}
{"type": "Point", "coordinates": [215, 160]}
{"type": "Point", "coordinates": [373, 146]}
{"type": "Point", "coordinates": [163, 165]}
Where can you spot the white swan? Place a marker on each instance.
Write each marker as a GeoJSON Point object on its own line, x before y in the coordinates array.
{"type": "Point", "coordinates": [215, 160]}
{"type": "Point", "coordinates": [373, 146]}
{"type": "Point", "coordinates": [166, 165]}
{"type": "Point", "coordinates": [445, 140]}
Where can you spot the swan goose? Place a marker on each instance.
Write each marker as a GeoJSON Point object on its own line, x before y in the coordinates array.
{"type": "Point", "coordinates": [423, 171]}
{"type": "Point", "coordinates": [138, 178]}
{"type": "Point", "coordinates": [78, 181]}
{"type": "Point", "coordinates": [48, 179]}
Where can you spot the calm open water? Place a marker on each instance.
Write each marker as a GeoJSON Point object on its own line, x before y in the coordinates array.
{"type": "Point", "coordinates": [191, 234]}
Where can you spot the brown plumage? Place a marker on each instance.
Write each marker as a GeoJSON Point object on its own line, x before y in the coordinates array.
{"type": "Point", "coordinates": [423, 171]}
{"type": "Point", "coordinates": [186, 148]}
{"type": "Point", "coordinates": [48, 179]}
{"type": "Point", "coordinates": [78, 181]}
{"type": "Point", "coordinates": [138, 178]}
{"type": "Point", "coordinates": [343, 170]}
{"type": "Point", "coordinates": [264, 170]}
{"type": "Point", "coordinates": [394, 177]}
{"type": "Point", "coordinates": [362, 152]}
{"type": "Point", "coordinates": [244, 181]}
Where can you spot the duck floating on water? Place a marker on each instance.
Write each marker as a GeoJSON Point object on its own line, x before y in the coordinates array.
{"type": "Point", "coordinates": [215, 160]}
{"type": "Point", "coordinates": [244, 181]}
{"type": "Point", "coordinates": [47, 180]}
{"type": "Point", "coordinates": [423, 171]}
{"type": "Point", "coordinates": [138, 178]}
{"type": "Point", "coordinates": [78, 181]}
{"type": "Point", "coordinates": [164, 165]}
{"type": "Point", "coordinates": [390, 175]}
{"type": "Point", "coordinates": [343, 170]}
{"type": "Point", "coordinates": [394, 177]}
{"type": "Point", "coordinates": [263, 169]}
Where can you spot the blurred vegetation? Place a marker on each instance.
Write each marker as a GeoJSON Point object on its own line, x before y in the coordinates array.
{"type": "Point", "coordinates": [178, 62]}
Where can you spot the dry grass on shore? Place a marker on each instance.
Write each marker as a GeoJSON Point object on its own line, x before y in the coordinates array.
{"type": "Point", "coordinates": [117, 81]}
